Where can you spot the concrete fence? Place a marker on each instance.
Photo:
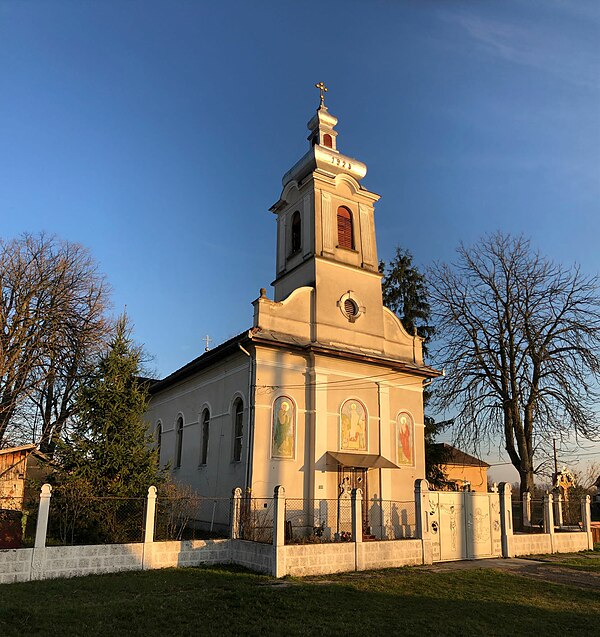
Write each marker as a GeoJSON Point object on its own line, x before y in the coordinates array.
{"type": "Point", "coordinates": [274, 558]}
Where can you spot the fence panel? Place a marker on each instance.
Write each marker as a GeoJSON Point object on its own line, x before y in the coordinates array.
{"type": "Point", "coordinates": [517, 516]}
{"type": "Point", "coordinates": [79, 519]}
{"type": "Point", "coordinates": [392, 520]}
{"type": "Point", "coordinates": [256, 519]}
{"type": "Point", "coordinates": [192, 518]}
{"type": "Point", "coordinates": [571, 515]}
{"type": "Point", "coordinates": [318, 521]}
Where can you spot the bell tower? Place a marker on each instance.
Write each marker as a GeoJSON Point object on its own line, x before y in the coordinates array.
{"type": "Point", "coordinates": [326, 238]}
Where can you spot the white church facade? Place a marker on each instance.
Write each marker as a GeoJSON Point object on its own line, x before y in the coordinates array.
{"type": "Point", "coordinates": [326, 387]}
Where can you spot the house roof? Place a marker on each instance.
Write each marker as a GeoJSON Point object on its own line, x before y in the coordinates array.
{"type": "Point", "coordinates": [28, 450]}
{"type": "Point", "coordinates": [201, 362]}
{"type": "Point", "coordinates": [29, 447]}
{"type": "Point", "coordinates": [460, 458]}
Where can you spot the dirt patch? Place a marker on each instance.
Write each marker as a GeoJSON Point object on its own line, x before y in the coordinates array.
{"type": "Point", "coordinates": [540, 569]}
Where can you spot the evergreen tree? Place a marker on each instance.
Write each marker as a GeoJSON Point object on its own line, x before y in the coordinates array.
{"type": "Point", "coordinates": [405, 293]}
{"type": "Point", "coordinates": [110, 453]}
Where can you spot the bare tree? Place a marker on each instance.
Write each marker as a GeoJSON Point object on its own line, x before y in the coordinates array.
{"type": "Point", "coordinates": [52, 323]}
{"type": "Point", "coordinates": [519, 337]}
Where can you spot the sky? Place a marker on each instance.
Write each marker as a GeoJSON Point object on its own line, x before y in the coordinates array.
{"type": "Point", "coordinates": [156, 134]}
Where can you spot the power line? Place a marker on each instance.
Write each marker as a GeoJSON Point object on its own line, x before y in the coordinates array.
{"type": "Point", "coordinates": [329, 383]}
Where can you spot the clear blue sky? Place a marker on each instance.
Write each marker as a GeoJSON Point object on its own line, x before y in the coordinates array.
{"type": "Point", "coordinates": [156, 133]}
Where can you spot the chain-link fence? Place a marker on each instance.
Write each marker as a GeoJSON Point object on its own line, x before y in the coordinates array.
{"type": "Point", "coordinates": [76, 518]}
{"type": "Point", "coordinates": [314, 521]}
{"type": "Point", "coordinates": [571, 515]}
{"type": "Point", "coordinates": [391, 520]}
{"type": "Point", "coordinates": [318, 521]}
{"type": "Point", "coordinates": [536, 519]}
{"type": "Point", "coordinates": [517, 515]}
{"type": "Point", "coordinates": [256, 519]}
{"type": "Point", "coordinates": [192, 518]}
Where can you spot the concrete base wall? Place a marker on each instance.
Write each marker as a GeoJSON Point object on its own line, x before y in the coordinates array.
{"type": "Point", "coordinates": [390, 554]}
{"type": "Point", "coordinates": [22, 565]}
{"type": "Point", "coordinates": [572, 542]}
{"type": "Point", "coordinates": [540, 543]}
{"type": "Point", "coordinates": [318, 559]}
{"type": "Point", "coordinates": [252, 555]}
{"type": "Point", "coordinates": [186, 553]}
{"type": "Point", "coordinates": [530, 544]}
{"type": "Point", "coordinates": [73, 561]}
{"type": "Point", "coordinates": [15, 565]}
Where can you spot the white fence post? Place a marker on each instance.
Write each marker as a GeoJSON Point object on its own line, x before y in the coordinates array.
{"type": "Point", "coordinates": [43, 514]}
{"type": "Point", "coordinates": [357, 528]}
{"type": "Point", "coordinates": [278, 568]}
{"type": "Point", "coordinates": [586, 519]}
{"type": "Point", "coordinates": [506, 526]}
{"type": "Point", "coordinates": [150, 515]}
{"type": "Point", "coordinates": [422, 519]}
{"type": "Point", "coordinates": [549, 518]}
{"type": "Point", "coordinates": [421, 508]}
{"type": "Point", "coordinates": [148, 549]}
{"type": "Point", "coordinates": [279, 516]}
{"type": "Point", "coordinates": [38, 555]}
{"type": "Point", "coordinates": [526, 504]}
{"type": "Point", "coordinates": [236, 500]}
{"type": "Point", "coordinates": [558, 509]}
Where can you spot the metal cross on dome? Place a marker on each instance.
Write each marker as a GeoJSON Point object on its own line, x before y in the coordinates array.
{"type": "Point", "coordinates": [322, 89]}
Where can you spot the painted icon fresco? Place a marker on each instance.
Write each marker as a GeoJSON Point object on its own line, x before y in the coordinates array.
{"type": "Point", "coordinates": [405, 429]}
{"type": "Point", "coordinates": [353, 435]}
{"type": "Point", "coordinates": [284, 428]}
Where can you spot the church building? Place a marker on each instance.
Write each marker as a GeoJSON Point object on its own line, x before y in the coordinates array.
{"type": "Point", "coordinates": [325, 390]}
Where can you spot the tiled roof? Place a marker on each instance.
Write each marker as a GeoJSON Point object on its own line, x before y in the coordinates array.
{"type": "Point", "coordinates": [460, 458]}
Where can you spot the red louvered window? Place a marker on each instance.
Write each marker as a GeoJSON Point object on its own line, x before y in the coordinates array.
{"type": "Point", "coordinates": [344, 223]}
{"type": "Point", "coordinates": [327, 141]}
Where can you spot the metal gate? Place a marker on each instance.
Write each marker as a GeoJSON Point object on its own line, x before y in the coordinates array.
{"type": "Point", "coordinates": [464, 525]}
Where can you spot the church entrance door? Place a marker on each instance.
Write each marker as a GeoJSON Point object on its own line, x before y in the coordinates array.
{"type": "Point", "coordinates": [356, 478]}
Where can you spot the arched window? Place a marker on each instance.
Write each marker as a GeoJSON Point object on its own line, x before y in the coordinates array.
{"type": "Point", "coordinates": [158, 437]}
{"type": "Point", "coordinates": [205, 427]}
{"type": "Point", "coordinates": [296, 242]}
{"type": "Point", "coordinates": [327, 141]}
{"type": "Point", "coordinates": [178, 442]}
{"type": "Point", "coordinates": [238, 429]}
{"type": "Point", "coordinates": [344, 224]}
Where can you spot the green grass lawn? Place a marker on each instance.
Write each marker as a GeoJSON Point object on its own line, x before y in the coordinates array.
{"type": "Point", "coordinates": [227, 601]}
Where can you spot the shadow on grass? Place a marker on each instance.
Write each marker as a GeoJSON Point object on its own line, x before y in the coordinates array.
{"type": "Point", "coordinates": [232, 601]}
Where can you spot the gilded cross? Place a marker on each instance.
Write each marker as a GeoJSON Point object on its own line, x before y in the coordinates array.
{"type": "Point", "coordinates": [322, 89]}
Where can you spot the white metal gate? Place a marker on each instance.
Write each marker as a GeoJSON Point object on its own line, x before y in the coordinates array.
{"type": "Point", "coordinates": [464, 525]}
